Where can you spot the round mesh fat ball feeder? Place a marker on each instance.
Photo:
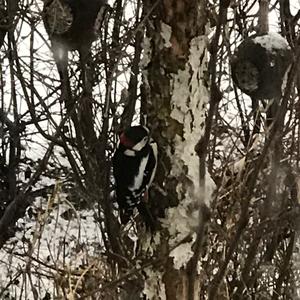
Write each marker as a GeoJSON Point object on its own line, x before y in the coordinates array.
{"type": "Point", "coordinates": [74, 24]}
{"type": "Point", "coordinates": [260, 64]}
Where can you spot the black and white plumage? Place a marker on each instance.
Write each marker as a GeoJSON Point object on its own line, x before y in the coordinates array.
{"type": "Point", "coordinates": [134, 167]}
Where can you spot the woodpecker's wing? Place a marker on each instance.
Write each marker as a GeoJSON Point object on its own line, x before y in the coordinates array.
{"type": "Point", "coordinates": [134, 174]}
{"type": "Point", "coordinates": [147, 170]}
{"type": "Point", "coordinates": [139, 181]}
{"type": "Point", "coordinates": [126, 173]}
{"type": "Point", "coordinates": [152, 164]}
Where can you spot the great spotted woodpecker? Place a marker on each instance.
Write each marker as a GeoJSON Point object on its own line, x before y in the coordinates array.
{"type": "Point", "coordinates": [134, 167]}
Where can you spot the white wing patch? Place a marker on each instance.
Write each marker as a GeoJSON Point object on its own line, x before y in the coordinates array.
{"type": "Point", "coordinates": [140, 145]}
{"type": "Point", "coordinates": [155, 153]}
{"type": "Point", "coordinates": [138, 179]}
{"type": "Point", "coordinates": [129, 152]}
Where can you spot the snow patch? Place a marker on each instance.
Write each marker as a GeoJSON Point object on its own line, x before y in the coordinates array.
{"type": "Point", "coordinates": [272, 41]}
{"type": "Point", "coordinates": [146, 57]}
{"type": "Point", "coordinates": [188, 108]}
{"type": "Point", "coordinates": [180, 222]}
{"type": "Point", "coordinates": [154, 287]}
{"type": "Point", "coordinates": [188, 102]}
{"type": "Point", "coordinates": [189, 99]}
{"type": "Point", "coordinates": [166, 32]}
{"type": "Point", "coordinates": [49, 240]}
{"type": "Point", "coordinates": [181, 255]}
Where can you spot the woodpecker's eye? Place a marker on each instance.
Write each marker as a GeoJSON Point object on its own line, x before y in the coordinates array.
{"type": "Point", "coordinates": [125, 141]}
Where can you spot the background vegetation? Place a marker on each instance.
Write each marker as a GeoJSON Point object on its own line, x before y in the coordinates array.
{"type": "Point", "coordinates": [60, 236]}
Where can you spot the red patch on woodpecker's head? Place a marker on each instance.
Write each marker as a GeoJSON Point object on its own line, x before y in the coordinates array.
{"type": "Point", "coordinates": [125, 141]}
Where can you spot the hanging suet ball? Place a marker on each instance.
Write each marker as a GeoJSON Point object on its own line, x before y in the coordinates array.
{"type": "Point", "coordinates": [74, 24]}
{"type": "Point", "coordinates": [260, 64]}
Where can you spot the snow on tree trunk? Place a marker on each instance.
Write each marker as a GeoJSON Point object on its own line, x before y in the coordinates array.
{"type": "Point", "coordinates": [175, 69]}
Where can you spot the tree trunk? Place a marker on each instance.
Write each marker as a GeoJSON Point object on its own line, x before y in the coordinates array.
{"type": "Point", "coordinates": [174, 73]}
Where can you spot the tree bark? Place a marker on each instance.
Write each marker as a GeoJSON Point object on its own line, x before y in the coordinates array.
{"type": "Point", "coordinates": [176, 89]}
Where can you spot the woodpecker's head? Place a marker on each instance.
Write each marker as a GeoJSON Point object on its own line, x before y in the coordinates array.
{"type": "Point", "coordinates": [135, 138]}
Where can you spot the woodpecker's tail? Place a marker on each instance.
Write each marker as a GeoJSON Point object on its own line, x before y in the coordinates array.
{"type": "Point", "coordinates": [125, 215]}
{"type": "Point", "coordinates": [147, 216]}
